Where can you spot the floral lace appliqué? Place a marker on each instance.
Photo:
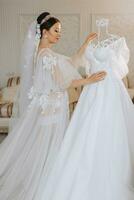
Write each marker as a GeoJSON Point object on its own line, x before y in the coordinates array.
{"type": "Point", "coordinates": [49, 62]}
{"type": "Point", "coordinates": [44, 100]}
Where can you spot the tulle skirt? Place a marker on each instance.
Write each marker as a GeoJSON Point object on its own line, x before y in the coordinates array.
{"type": "Point", "coordinates": [96, 159]}
{"type": "Point", "coordinates": [29, 151]}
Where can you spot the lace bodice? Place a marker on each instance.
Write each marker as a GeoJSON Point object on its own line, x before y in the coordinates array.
{"type": "Point", "coordinates": [112, 56]}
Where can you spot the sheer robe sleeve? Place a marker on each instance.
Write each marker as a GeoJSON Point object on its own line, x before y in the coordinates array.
{"type": "Point", "coordinates": [121, 64]}
{"type": "Point", "coordinates": [79, 60]}
{"type": "Point", "coordinates": [55, 71]}
{"type": "Point", "coordinates": [65, 72]}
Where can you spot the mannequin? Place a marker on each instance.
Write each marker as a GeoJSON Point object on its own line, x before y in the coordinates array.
{"type": "Point", "coordinates": [104, 37]}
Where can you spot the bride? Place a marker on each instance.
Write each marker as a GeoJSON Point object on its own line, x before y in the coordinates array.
{"type": "Point", "coordinates": [29, 151]}
{"type": "Point", "coordinates": [96, 158]}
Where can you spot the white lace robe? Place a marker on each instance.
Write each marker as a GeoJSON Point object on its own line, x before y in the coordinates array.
{"type": "Point", "coordinates": [28, 153]}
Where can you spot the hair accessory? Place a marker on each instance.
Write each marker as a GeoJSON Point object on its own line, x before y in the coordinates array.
{"type": "Point", "coordinates": [45, 19]}
{"type": "Point", "coordinates": [38, 33]}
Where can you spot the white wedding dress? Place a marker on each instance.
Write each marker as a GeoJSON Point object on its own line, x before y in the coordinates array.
{"type": "Point", "coordinates": [96, 159]}
{"type": "Point", "coordinates": [29, 151]}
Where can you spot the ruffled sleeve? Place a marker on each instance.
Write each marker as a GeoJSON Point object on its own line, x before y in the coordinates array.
{"type": "Point", "coordinates": [54, 71]}
{"type": "Point", "coordinates": [121, 64]}
{"type": "Point", "coordinates": [79, 60]}
{"type": "Point", "coordinates": [65, 72]}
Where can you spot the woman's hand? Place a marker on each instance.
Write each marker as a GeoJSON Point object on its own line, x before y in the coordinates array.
{"type": "Point", "coordinates": [99, 76]}
{"type": "Point", "coordinates": [90, 37]}
{"type": "Point", "coordinates": [81, 50]}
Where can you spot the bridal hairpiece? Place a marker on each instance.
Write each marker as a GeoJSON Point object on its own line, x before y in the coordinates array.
{"type": "Point", "coordinates": [38, 33]}
{"type": "Point", "coordinates": [45, 19]}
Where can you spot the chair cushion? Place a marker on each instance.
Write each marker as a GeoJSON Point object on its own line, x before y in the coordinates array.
{"type": "Point", "coordinates": [6, 109]}
{"type": "Point", "coordinates": [125, 80]}
{"type": "Point", "coordinates": [8, 94]}
{"type": "Point", "coordinates": [131, 92]}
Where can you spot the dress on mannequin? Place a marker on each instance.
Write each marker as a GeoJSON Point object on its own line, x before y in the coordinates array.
{"type": "Point", "coordinates": [96, 159]}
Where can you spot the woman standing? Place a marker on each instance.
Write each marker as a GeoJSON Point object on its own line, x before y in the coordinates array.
{"type": "Point", "coordinates": [28, 153]}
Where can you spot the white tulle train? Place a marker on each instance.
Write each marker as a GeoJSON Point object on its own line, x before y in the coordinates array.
{"type": "Point", "coordinates": [96, 160]}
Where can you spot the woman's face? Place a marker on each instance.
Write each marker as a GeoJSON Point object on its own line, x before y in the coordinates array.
{"type": "Point", "coordinates": [54, 33]}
